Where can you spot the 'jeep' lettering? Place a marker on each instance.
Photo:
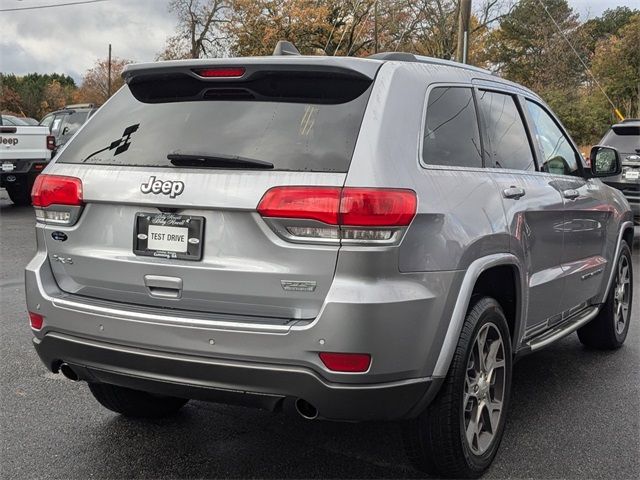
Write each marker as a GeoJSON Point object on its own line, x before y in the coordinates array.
{"type": "Point", "coordinates": [168, 187]}
{"type": "Point", "coordinates": [8, 140]}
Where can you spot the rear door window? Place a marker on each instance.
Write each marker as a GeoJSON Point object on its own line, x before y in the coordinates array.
{"type": "Point", "coordinates": [72, 122]}
{"type": "Point", "coordinates": [506, 133]}
{"type": "Point", "coordinates": [451, 135]}
{"type": "Point", "coordinates": [311, 125]}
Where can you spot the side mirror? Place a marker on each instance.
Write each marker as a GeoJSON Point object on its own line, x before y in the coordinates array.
{"type": "Point", "coordinates": [65, 130]}
{"type": "Point", "coordinates": [605, 162]}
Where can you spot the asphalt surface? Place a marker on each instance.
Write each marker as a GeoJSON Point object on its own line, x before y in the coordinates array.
{"type": "Point", "coordinates": [575, 413]}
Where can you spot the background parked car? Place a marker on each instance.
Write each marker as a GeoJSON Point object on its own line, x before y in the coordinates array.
{"type": "Point", "coordinates": [29, 121]}
{"type": "Point", "coordinates": [25, 151]}
{"type": "Point", "coordinates": [10, 120]}
{"type": "Point", "coordinates": [63, 124]}
{"type": "Point", "coordinates": [625, 137]}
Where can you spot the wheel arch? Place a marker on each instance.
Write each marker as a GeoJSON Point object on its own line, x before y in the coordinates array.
{"type": "Point", "coordinates": [481, 273]}
{"type": "Point", "coordinates": [625, 233]}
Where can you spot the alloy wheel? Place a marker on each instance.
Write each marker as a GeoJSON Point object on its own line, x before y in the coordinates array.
{"type": "Point", "coordinates": [484, 389]}
{"type": "Point", "coordinates": [621, 295]}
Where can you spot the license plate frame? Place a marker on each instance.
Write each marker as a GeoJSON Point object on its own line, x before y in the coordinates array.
{"type": "Point", "coordinates": [631, 175]}
{"type": "Point", "coordinates": [195, 229]}
{"type": "Point", "coordinates": [8, 167]}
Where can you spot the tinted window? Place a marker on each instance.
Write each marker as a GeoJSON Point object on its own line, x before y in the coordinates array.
{"type": "Point", "coordinates": [624, 138]}
{"type": "Point", "coordinates": [47, 121]}
{"type": "Point", "coordinates": [508, 138]}
{"type": "Point", "coordinates": [13, 121]}
{"type": "Point", "coordinates": [72, 123]}
{"type": "Point", "coordinates": [451, 134]}
{"type": "Point", "coordinates": [559, 157]}
{"type": "Point", "coordinates": [304, 134]}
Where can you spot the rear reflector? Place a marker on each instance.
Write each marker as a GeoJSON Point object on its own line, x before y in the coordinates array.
{"type": "Point", "coordinates": [346, 362]}
{"type": "Point", "coordinates": [56, 190]}
{"type": "Point", "coordinates": [36, 320]}
{"type": "Point", "coordinates": [225, 72]}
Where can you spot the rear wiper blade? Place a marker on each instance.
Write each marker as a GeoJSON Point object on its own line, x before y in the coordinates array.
{"type": "Point", "coordinates": [216, 161]}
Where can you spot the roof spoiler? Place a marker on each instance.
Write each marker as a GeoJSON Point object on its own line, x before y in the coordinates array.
{"type": "Point", "coordinates": [285, 48]}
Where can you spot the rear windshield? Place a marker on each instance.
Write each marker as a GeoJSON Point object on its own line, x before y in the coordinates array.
{"type": "Point", "coordinates": [313, 132]}
{"type": "Point", "coordinates": [625, 139]}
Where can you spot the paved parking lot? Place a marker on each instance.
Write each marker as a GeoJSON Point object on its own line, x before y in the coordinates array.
{"type": "Point", "coordinates": [575, 414]}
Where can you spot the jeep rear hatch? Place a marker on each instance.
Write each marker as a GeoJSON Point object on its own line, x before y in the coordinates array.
{"type": "Point", "coordinates": [194, 147]}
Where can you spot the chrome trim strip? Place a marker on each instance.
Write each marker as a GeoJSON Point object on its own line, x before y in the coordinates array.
{"type": "Point", "coordinates": [167, 319]}
{"type": "Point", "coordinates": [462, 303]}
{"type": "Point", "coordinates": [570, 328]}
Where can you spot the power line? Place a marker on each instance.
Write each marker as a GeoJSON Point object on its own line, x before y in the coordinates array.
{"type": "Point", "coordinates": [620, 116]}
{"type": "Point", "coordinates": [37, 7]}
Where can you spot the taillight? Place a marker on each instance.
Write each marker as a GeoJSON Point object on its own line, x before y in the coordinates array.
{"type": "Point", "coordinates": [221, 72]}
{"type": "Point", "coordinates": [51, 142]}
{"type": "Point", "coordinates": [311, 203]}
{"type": "Point", "coordinates": [36, 320]}
{"type": "Point", "coordinates": [346, 362]}
{"type": "Point", "coordinates": [333, 214]}
{"type": "Point", "coordinates": [57, 198]}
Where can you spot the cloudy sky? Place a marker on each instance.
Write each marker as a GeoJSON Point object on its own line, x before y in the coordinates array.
{"type": "Point", "coordinates": [69, 39]}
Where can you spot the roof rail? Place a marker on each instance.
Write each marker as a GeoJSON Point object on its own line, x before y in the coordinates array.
{"type": "Point", "coordinates": [629, 120]}
{"type": "Point", "coordinates": [79, 105]}
{"type": "Point", "coordinates": [285, 48]}
{"type": "Point", "coordinates": [410, 57]}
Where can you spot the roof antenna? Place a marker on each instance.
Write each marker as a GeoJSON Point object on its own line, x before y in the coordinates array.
{"type": "Point", "coordinates": [285, 48]}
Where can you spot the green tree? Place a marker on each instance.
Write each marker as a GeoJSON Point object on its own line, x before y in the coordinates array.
{"type": "Point", "coordinates": [528, 48]}
{"type": "Point", "coordinates": [616, 63]}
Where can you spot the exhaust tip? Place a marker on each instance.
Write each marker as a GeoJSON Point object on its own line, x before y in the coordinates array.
{"type": "Point", "coordinates": [306, 410]}
{"type": "Point", "coordinates": [68, 372]}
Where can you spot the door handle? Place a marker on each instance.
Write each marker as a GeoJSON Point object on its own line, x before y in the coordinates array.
{"type": "Point", "coordinates": [513, 192]}
{"type": "Point", "coordinates": [571, 194]}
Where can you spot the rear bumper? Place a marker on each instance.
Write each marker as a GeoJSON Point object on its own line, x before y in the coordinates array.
{"type": "Point", "coordinates": [245, 383]}
{"type": "Point", "coordinates": [399, 322]}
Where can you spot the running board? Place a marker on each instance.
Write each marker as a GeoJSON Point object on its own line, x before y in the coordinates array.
{"type": "Point", "coordinates": [563, 329]}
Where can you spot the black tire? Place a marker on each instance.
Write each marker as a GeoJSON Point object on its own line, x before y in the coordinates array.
{"type": "Point", "coordinates": [135, 403]}
{"type": "Point", "coordinates": [603, 332]}
{"type": "Point", "coordinates": [436, 441]}
{"type": "Point", "coordinates": [20, 195]}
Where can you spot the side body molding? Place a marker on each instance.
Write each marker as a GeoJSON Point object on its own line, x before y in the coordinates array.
{"type": "Point", "coordinates": [462, 303]}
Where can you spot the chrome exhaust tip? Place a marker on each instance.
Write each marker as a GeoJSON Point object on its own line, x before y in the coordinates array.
{"type": "Point", "coordinates": [306, 410]}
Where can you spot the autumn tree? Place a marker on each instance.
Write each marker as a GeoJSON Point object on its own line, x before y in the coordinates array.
{"type": "Point", "coordinates": [95, 82]}
{"type": "Point", "coordinates": [198, 33]}
{"type": "Point", "coordinates": [55, 97]}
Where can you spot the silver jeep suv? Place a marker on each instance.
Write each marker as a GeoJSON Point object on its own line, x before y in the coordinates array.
{"type": "Point", "coordinates": [351, 239]}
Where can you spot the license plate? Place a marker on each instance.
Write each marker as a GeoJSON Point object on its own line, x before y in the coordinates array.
{"type": "Point", "coordinates": [167, 235]}
{"type": "Point", "coordinates": [8, 167]}
{"type": "Point", "coordinates": [632, 175]}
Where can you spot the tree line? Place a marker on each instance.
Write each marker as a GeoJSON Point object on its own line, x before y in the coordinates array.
{"type": "Point", "coordinates": [541, 44]}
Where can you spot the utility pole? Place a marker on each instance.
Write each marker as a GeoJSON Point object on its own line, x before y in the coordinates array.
{"type": "Point", "coordinates": [375, 26]}
{"type": "Point", "coordinates": [109, 75]}
{"type": "Point", "coordinates": [462, 51]}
